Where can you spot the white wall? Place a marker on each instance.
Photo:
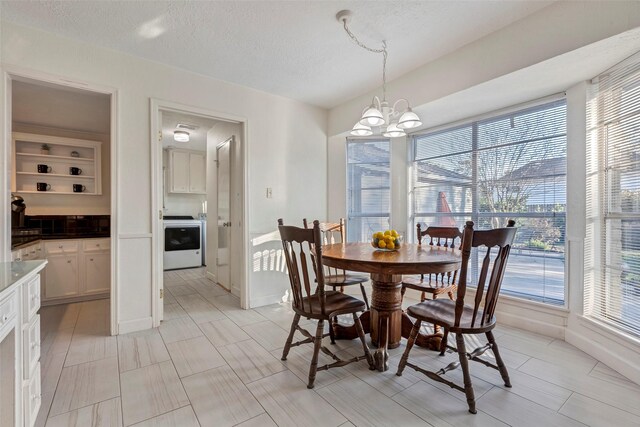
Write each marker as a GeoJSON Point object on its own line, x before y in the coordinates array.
{"type": "Point", "coordinates": [286, 146]}
{"type": "Point", "coordinates": [555, 30]}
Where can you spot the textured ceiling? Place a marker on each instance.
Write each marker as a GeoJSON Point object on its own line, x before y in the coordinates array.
{"type": "Point", "coordinates": [291, 48]}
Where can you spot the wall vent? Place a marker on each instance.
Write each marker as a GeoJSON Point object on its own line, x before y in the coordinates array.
{"type": "Point", "coordinates": [186, 126]}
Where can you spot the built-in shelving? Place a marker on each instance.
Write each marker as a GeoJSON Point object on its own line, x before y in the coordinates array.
{"type": "Point", "coordinates": [27, 156]}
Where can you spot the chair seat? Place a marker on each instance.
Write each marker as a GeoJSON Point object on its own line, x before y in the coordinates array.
{"type": "Point", "coordinates": [427, 285]}
{"type": "Point", "coordinates": [344, 280]}
{"type": "Point", "coordinates": [335, 303]}
{"type": "Point", "coordinates": [442, 312]}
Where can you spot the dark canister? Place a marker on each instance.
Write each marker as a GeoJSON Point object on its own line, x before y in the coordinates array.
{"type": "Point", "coordinates": [75, 171]}
{"type": "Point", "coordinates": [43, 186]}
{"type": "Point", "coordinates": [78, 188]}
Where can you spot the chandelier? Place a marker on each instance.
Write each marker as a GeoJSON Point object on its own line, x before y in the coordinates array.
{"type": "Point", "coordinates": [389, 119]}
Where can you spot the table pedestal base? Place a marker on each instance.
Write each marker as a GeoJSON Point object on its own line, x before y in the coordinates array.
{"type": "Point", "coordinates": [385, 321]}
{"type": "Point", "coordinates": [380, 356]}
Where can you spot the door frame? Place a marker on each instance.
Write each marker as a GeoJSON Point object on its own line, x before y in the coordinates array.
{"type": "Point", "coordinates": [156, 106]}
{"type": "Point", "coordinates": [10, 73]}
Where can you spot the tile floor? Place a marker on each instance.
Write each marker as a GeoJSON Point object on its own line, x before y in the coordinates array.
{"type": "Point", "coordinates": [212, 364]}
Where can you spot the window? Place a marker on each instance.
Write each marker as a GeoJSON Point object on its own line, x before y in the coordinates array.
{"type": "Point", "coordinates": [508, 166]}
{"type": "Point", "coordinates": [368, 188]}
{"type": "Point", "coordinates": [612, 246]}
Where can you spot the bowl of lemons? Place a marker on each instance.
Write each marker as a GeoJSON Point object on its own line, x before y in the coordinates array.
{"type": "Point", "coordinates": [388, 240]}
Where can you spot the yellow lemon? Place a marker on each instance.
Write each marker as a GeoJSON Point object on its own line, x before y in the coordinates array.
{"type": "Point", "coordinates": [382, 244]}
{"type": "Point", "coordinates": [390, 245]}
{"type": "Point", "coordinates": [387, 232]}
{"type": "Point", "coordinates": [394, 233]}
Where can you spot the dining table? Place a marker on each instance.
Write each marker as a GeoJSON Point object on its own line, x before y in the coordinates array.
{"type": "Point", "coordinates": [385, 321]}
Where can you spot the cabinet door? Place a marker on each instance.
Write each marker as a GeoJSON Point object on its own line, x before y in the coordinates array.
{"type": "Point", "coordinates": [179, 172]}
{"type": "Point", "coordinates": [62, 276]}
{"type": "Point", "coordinates": [97, 276]}
{"type": "Point", "coordinates": [197, 173]}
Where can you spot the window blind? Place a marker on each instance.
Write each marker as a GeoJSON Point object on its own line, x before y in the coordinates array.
{"type": "Point", "coordinates": [508, 166]}
{"type": "Point", "coordinates": [612, 245]}
{"type": "Point", "coordinates": [368, 188]}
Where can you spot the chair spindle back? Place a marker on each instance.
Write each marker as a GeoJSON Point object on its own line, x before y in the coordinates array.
{"type": "Point", "coordinates": [331, 233]}
{"type": "Point", "coordinates": [502, 238]}
{"type": "Point", "coordinates": [447, 237]}
{"type": "Point", "coordinates": [302, 249]}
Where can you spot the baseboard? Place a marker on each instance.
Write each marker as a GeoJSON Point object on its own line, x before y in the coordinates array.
{"type": "Point", "coordinates": [135, 325]}
{"type": "Point", "coordinates": [596, 341]}
{"type": "Point", "coordinates": [211, 276]}
{"type": "Point", "coordinates": [537, 326]}
{"type": "Point", "coordinates": [265, 300]}
{"type": "Point", "coordinates": [74, 299]}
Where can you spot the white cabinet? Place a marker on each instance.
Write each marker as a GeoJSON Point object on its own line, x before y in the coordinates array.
{"type": "Point", "coordinates": [62, 155]}
{"type": "Point", "coordinates": [96, 262]}
{"type": "Point", "coordinates": [20, 388]}
{"type": "Point", "coordinates": [62, 276]}
{"type": "Point", "coordinates": [77, 268]}
{"type": "Point", "coordinates": [187, 171]}
{"type": "Point", "coordinates": [197, 173]}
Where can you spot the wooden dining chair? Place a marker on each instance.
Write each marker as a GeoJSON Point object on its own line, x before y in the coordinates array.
{"type": "Point", "coordinates": [299, 244]}
{"type": "Point", "coordinates": [462, 319]}
{"type": "Point", "coordinates": [435, 284]}
{"type": "Point", "coordinates": [335, 232]}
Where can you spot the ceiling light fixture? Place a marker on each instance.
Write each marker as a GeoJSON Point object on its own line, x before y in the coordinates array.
{"type": "Point", "coordinates": [392, 120]}
{"type": "Point", "coordinates": [181, 136]}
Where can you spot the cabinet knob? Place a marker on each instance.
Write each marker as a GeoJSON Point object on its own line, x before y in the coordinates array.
{"type": "Point", "coordinates": [4, 318]}
{"type": "Point", "coordinates": [90, 259]}
{"type": "Point", "coordinates": [68, 261]}
{"type": "Point", "coordinates": [60, 246]}
{"type": "Point", "coordinates": [98, 244]}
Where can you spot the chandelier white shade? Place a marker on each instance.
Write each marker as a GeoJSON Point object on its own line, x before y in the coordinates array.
{"type": "Point", "coordinates": [391, 121]}
{"type": "Point", "coordinates": [361, 130]}
{"type": "Point", "coordinates": [181, 136]}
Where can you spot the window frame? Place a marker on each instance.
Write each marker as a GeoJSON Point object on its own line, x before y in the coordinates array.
{"type": "Point", "coordinates": [475, 214]}
{"type": "Point", "coordinates": [356, 140]}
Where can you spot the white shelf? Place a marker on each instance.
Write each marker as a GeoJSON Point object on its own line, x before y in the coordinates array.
{"type": "Point", "coordinates": [49, 156]}
{"type": "Point", "coordinates": [27, 157]}
{"type": "Point", "coordinates": [55, 175]}
{"type": "Point", "coordinates": [84, 193]}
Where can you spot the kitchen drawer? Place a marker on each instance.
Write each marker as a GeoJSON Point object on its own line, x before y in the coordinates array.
{"type": "Point", "coordinates": [16, 255]}
{"type": "Point", "coordinates": [31, 295]}
{"type": "Point", "coordinates": [32, 252]}
{"type": "Point", "coordinates": [61, 246]}
{"type": "Point", "coordinates": [8, 309]}
{"type": "Point", "coordinates": [92, 245]}
{"type": "Point", "coordinates": [32, 398]}
{"type": "Point", "coordinates": [31, 347]}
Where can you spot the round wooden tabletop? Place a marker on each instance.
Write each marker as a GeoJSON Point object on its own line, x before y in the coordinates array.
{"type": "Point", "coordinates": [408, 259]}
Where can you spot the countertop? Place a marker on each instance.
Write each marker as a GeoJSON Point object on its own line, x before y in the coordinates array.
{"type": "Point", "coordinates": [22, 241]}
{"type": "Point", "coordinates": [12, 272]}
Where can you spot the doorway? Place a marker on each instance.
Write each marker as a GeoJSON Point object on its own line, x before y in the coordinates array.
{"type": "Point", "coordinates": [180, 193]}
{"type": "Point", "coordinates": [72, 150]}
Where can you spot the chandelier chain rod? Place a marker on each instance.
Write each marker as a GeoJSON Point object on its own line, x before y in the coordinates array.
{"type": "Point", "coordinates": [383, 51]}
